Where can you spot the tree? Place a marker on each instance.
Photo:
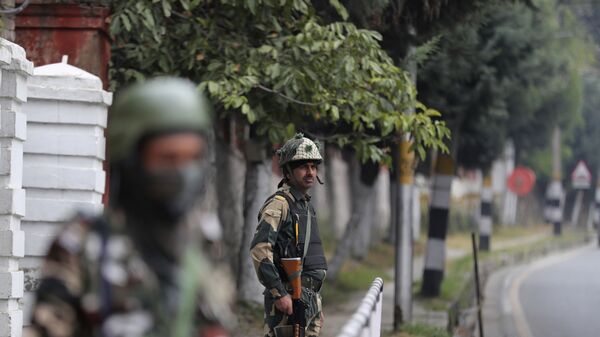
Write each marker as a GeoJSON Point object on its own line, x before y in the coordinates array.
{"type": "Point", "coordinates": [279, 67]}
{"type": "Point", "coordinates": [498, 78]}
{"type": "Point", "coordinates": [502, 76]}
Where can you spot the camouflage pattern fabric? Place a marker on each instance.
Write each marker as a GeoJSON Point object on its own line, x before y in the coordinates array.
{"type": "Point", "coordinates": [275, 318]}
{"type": "Point", "coordinates": [275, 230]}
{"type": "Point", "coordinates": [299, 148]}
{"type": "Point", "coordinates": [95, 282]}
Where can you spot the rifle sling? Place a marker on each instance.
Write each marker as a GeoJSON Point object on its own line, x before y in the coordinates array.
{"type": "Point", "coordinates": [308, 230]}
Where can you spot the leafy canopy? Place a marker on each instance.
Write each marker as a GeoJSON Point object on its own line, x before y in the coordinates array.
{"type": "Point", "coordinates": [277, 64]}
{"type": "Point", "coordinates": [511, 74]}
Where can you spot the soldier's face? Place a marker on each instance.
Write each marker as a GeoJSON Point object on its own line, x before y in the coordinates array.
{"type": "Point", "coordinates": [173, 151]}
{"type": "Point", "coordinates": [304, 176]}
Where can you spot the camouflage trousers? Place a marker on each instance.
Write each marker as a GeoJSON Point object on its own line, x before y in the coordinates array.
{"type": "Point", "coordinates": [275, 318]}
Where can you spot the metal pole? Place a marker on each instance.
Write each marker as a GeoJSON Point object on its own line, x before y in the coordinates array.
{"type": "Point", "coordinates": [477, 289]}
{"type": "Point", "coordinates": [577, 208]}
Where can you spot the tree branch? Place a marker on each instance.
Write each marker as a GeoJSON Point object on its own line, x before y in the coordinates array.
{"type": "Point", "coordinates": [293, 100]}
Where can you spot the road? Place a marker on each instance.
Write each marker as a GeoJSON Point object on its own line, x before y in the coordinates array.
{"type": "Point", "coordinates": [557, 296]}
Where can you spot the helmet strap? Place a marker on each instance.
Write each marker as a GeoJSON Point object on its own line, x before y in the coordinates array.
{"type": "Point", "coordinates": [287, 169]}
{"type": "Point", "coordinates": [319, 180]}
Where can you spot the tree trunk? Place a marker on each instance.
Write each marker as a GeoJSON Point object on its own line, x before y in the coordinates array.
{"type": "Point", "coordinates": [485, 213]}
{"type": "Point", "coordinates": [230, 177]}
{"type": "Point", "coordinates": [435, 256]}
{"type": "Point", "coordinates": [257, 190]}
{"type": "Point", "coordinates": [382, 206]}
{"type": "Point", "coordinates": [344, 246]}
{"type": "Point", "coordinates": [366, 225]}
{"type": "Point", "coordinates": [338, 191]}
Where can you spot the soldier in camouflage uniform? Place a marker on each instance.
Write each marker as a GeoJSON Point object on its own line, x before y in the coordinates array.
{"type": "Point", "coordinates": [137, 270]}
{"type": "Point", "coordinates": [286, 221]}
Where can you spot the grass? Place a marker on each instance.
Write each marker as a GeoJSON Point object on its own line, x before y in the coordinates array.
{"type": "Point", "coordinates": [417, 330]}
{"type": "Point", "coordinates": [458, 271]}
{"type": "Point", "coordinates": [500, 235]}
{"type": "Point", "coordinates": [357, 276]}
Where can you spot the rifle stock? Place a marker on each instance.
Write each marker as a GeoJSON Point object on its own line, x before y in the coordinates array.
{"type": "Point", "coordinates": [293, 269]}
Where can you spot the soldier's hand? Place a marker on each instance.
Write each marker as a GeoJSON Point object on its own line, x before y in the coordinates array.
{"type": "Point", "coordinates": [284, 304]}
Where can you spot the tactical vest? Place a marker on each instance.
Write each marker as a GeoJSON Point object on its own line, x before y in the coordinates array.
{"type": "Point", "coordinates": [315, 257]}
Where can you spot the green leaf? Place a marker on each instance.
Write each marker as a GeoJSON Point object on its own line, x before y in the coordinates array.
{"type": "Point", "coordinates": [341, 10]}
{"type": "Point", "coordinates": [166, 7]}
{"type": "Point", "coordinates": [251, 6]}
{"type": "Point", "coordinates": [185, 4]}
{"type": "Point", "coordinates": [246, 110]}
{"type": "Point", "coordinates": [213, 87]}
{"type": "Point", "coordinates": [290, 130]}
{"type": "Point", "coordinates": [126, 22]}
{"type": "Point", "coordinates": [335, 113]}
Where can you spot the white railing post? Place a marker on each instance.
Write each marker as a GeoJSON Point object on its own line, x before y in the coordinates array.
{"type": "Point", "coordinates": [366, 321]}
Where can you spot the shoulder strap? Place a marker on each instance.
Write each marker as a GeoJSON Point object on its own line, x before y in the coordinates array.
{"type": "Point", "coordinates": [308, 222]}
{"type": "Point", "coordinates": [308, 230]}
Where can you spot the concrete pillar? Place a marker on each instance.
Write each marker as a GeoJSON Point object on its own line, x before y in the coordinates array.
{"type": "Point", "coordinates": [15, 69]}
{"type": "Point", "coordinates": [509, 204]}
{"type": "Point", "coordinates": [596, 209]}
{"type": "Point", "coordinates": [8, 21]}
{"type": "Point", "coordinates": [66, 117]}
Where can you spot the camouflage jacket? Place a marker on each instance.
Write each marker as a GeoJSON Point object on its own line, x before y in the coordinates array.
{"type": "Point", "coordinates": [276, 225]}
{"type": "Point", "coordinates": [95, 282]}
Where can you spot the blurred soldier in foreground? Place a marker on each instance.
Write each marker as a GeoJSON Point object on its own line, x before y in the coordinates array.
{"type": "Point", "coordinates": [137, 270]}
{"type": "Point", "coordinates": [288, 229]}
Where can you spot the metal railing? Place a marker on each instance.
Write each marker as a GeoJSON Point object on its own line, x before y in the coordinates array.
{"type": "Point", "coordinates": [366, 320]}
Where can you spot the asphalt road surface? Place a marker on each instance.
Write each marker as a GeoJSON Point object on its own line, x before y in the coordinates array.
{"type": "Point", "coordinates": [557, 296]}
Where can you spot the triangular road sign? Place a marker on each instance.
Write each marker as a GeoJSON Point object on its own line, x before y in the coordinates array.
{"type": "Point", "coordinates": [581, 178]}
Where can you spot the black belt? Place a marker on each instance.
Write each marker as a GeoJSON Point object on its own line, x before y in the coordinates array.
{"type": "Point", "coordinates": [307, 282]}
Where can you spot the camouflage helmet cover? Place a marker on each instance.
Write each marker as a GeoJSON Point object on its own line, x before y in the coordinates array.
{"type": "Point", "coordinates": [299, 148]}
{"type": "Point", "coordinates": [161, 104]}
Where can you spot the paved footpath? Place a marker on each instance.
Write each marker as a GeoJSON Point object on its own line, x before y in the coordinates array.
{"type": "Point", "coordinates": [336, 315]}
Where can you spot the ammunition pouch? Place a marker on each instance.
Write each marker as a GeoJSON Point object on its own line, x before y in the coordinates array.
{"type": "Point", "coordinates": [284, 331]}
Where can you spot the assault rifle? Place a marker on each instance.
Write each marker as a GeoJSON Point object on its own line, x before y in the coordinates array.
{"type": "Point", "coordinates": [297, 320]}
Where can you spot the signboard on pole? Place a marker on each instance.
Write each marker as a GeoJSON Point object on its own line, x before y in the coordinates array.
{"type": "Point", "coordinates": [581, 177]}
{"type": "Point", "coordinates": [521, 181]}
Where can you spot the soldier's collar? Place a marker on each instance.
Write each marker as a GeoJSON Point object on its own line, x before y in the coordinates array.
{"type": "Point", "coordinates": [298, 196]}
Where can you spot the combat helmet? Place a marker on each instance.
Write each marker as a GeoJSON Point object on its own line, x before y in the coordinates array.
{"type": "Point", "coordinates": [162, 104]}
{"type": "Point", "coordinates": [297, 149]}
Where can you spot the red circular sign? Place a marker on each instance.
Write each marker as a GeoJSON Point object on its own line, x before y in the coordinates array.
{"type": "Point", "coordinates": [521, 181]}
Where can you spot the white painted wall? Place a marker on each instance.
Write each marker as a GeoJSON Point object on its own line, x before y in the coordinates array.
{"type": "Point", "coordinates": [15, 69]}
{"type": "Point", "coordinates": [62, 165]}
